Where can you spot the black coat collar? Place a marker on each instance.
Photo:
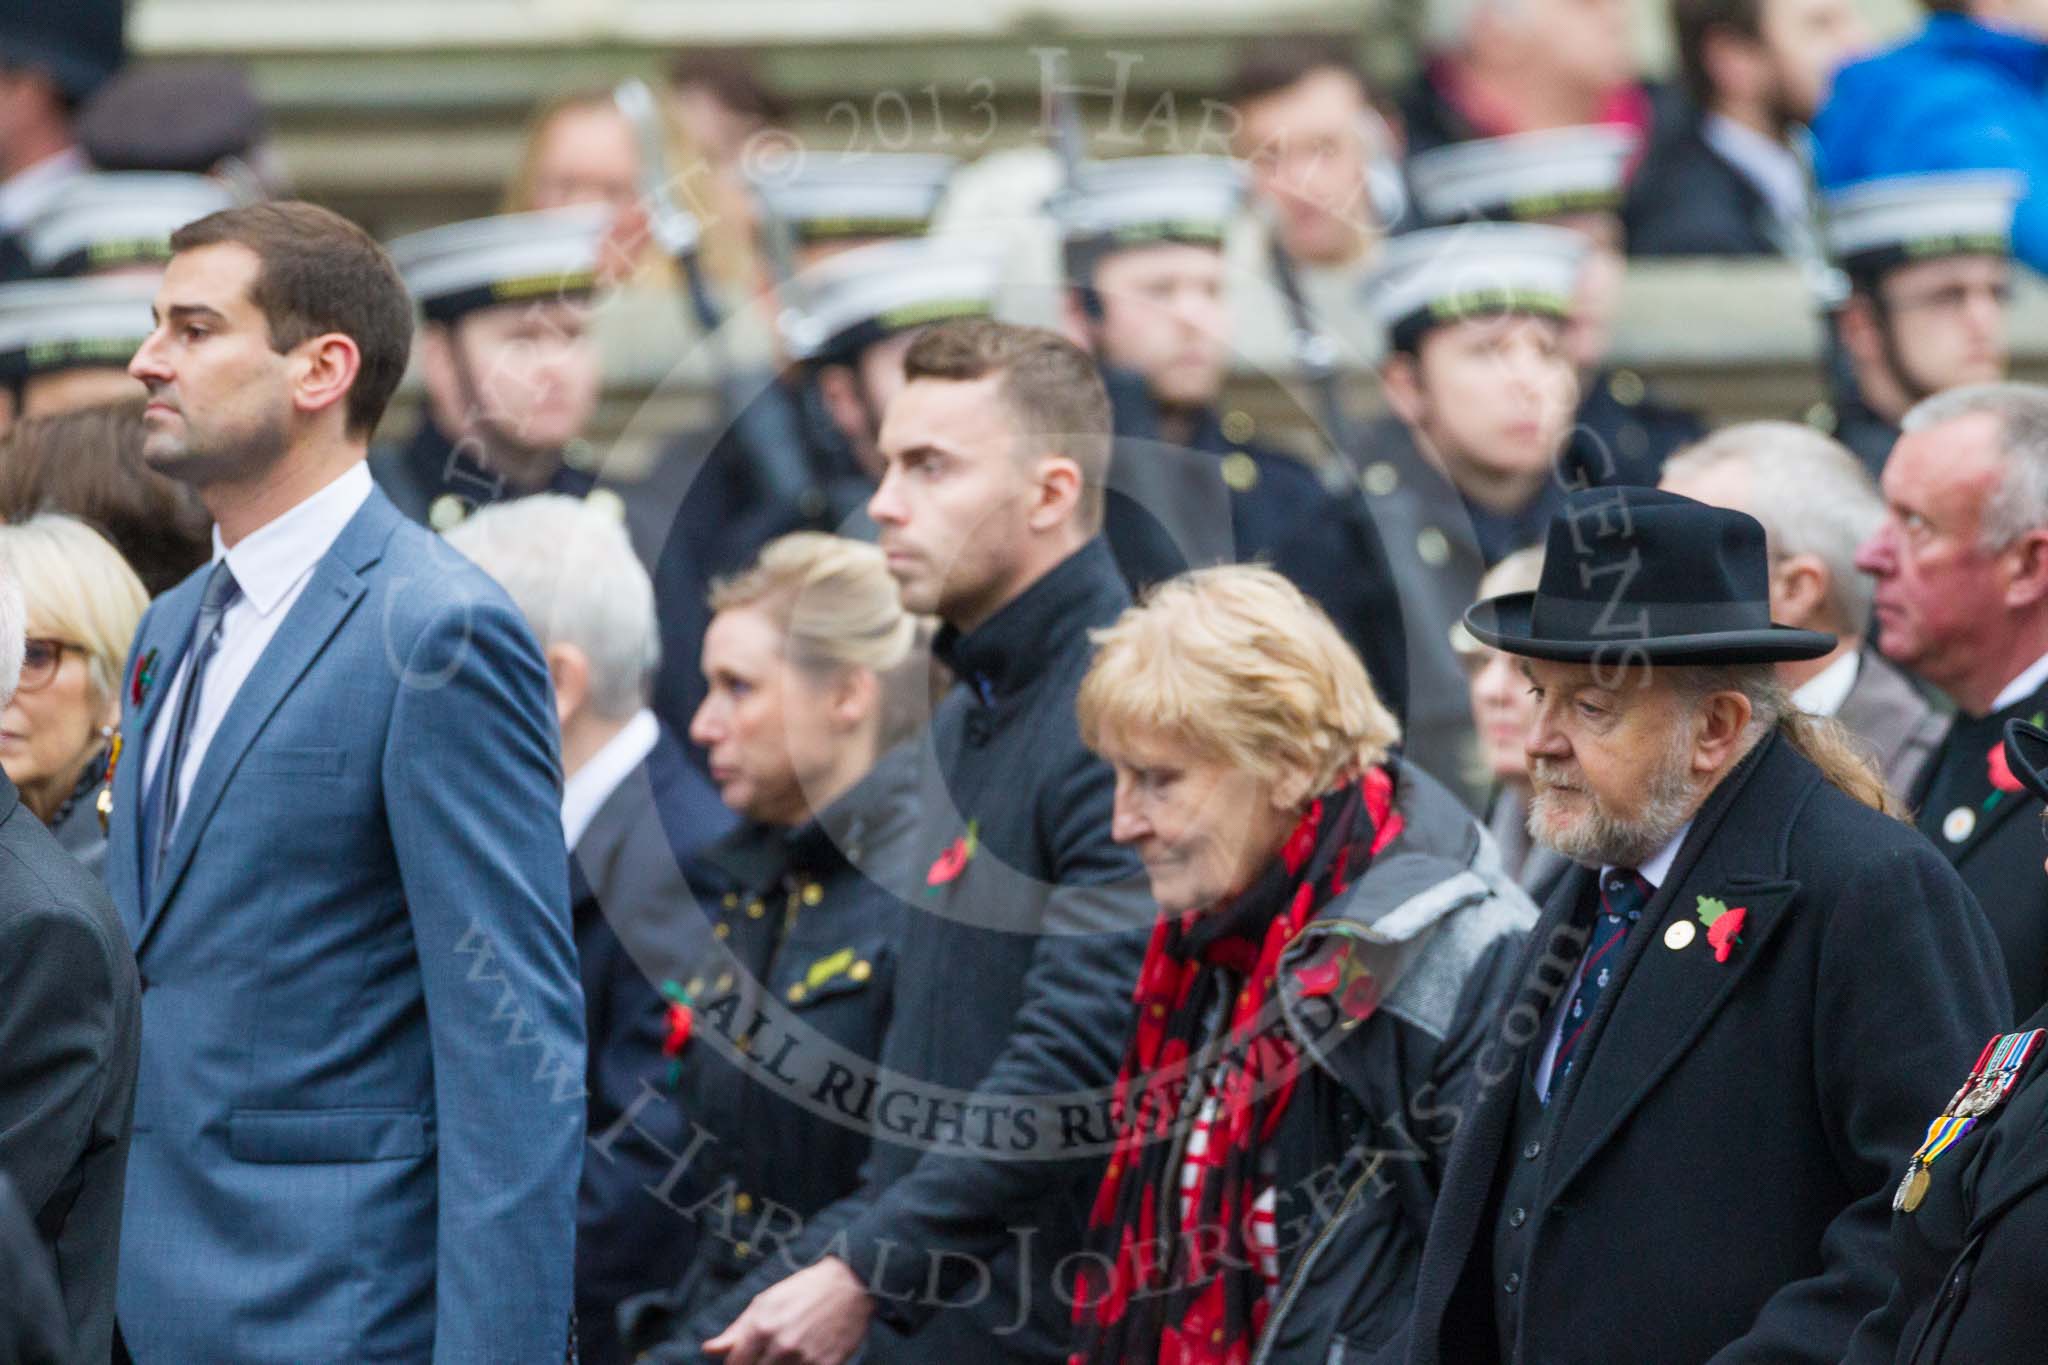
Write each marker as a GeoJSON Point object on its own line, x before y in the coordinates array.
{"type": "Point", "coordinates": [438, 464]}
{"type": "Point", "coordinates": [873, 811]}
{"type": "Point", "coordinates": [1014, 647]}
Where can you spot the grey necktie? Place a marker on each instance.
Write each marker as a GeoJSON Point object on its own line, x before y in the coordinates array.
{"type": "Point", "coordinates": [160, 814]}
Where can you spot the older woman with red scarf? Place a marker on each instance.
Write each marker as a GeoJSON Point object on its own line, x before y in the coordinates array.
{"type": "Point", "coordinates": [1335, 932]}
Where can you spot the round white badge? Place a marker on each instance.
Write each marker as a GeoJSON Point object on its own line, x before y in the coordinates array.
{"type": "Point", "coordinates": [1957, 824]}
{"type": "Point", "coordinates": [1679, 935]}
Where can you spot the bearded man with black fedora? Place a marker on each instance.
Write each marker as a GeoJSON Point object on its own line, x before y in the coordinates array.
{"type": "Point", "coordinates": [1735, 1012]}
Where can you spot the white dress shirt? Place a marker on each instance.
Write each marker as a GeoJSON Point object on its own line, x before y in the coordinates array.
{"type": "Point", "coordinates": [2024, 686]}
{"type": "Point", "coordinates": [591, 785]}
{"type": "Point", "coordinates": [1824, 692]}
{"type": "Point", "coordinates": [1654, 872]}
{"type": "Point", "coordinates": [272, 566]}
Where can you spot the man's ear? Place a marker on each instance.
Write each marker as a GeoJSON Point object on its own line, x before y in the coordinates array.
{"type": "Point", "coordinates": [1075, 324]}
{"type": "Point", "coordinates": [324, 369]}
{"type": "Point", "coordinates": [1724, 716]}
{"type": "Point", "coordinates": [1799, 591]}
{"type": "Point", "coordinates": [2027, 584]}
{"type": "Point", "coordinates": [839, 391]}
{"type": "Point", "coordinates": [569, 671]}
{"type": "Point", "coordinates": [1060, 485]}
{"type": "Point", "coordinates": [1401, 381]}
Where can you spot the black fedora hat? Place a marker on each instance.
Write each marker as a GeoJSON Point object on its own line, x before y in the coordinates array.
{"type": "Point", "coordinates": [2026, 754]}
{"type": "Point", "coordinates": [1640, 575]}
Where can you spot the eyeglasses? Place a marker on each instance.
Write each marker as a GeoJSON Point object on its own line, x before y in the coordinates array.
{"type": "Point", "coordinates": [40, 661]}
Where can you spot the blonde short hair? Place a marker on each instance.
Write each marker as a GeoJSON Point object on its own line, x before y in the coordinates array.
{"type": "Point", "coordinates": [1237, 664]}
{"type": "Point", "coordinates": [837, 606]}
{"type": "Point", "coordinates": [78, 589]}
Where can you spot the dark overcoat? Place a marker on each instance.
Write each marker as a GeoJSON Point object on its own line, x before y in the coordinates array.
{"type": "Point", "coordinates": [1971, 1276]}
{"type": "Point", "coordinates": [1713, 1180]}
{"type": "Point", "coordinates": [1994, 842]}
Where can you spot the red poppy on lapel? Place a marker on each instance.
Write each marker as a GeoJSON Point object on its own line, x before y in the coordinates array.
{"type": "Point", "coordinates": [1724, 925]}
{"type": "Point", "coordinates": [681, 1020]}
{"type": "Point", "coordinates": [139, 681]}
{"type": "Point", "coordinates": [1999, 770]}
{"type": "Point", "coordinates": [950, 864]}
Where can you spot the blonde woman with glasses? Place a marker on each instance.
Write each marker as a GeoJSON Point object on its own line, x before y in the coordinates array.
{"type": "Point", "coordinates": [57, 738]}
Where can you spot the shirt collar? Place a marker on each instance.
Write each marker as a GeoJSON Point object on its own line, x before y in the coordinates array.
{"type": "Point", "coordinates": [1655, 869]}
{"type": "Point", "coordinates": [1006, 652]}
{"type": "Point", "coordinates": [1824, 692]}
{"type": "Point", "coordinates": [28, 191]}
{"type": "Point", "coordinates": [269, 562]}
{"type": "Point", "coordinates": [2025, 685]}
{"type": "Point", "coordinates": [590, 786]}
{"type": "Point", "coordinates": [1765, 162]}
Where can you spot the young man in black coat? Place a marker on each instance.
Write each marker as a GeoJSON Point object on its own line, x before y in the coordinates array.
{"type": "Point", "coordinates": [1961, 564]}
{"type": "Point", "coordinates": [1735, 1015]}
{"type": "Point", "coordinates": [1013, 989]}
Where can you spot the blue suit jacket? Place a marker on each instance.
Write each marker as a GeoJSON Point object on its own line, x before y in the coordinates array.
{"type": "Point", "coordinates": [359, 1120]}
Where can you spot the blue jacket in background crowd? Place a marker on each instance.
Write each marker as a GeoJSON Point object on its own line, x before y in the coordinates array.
{"type": "Point", "coordinates": [1959, 96]}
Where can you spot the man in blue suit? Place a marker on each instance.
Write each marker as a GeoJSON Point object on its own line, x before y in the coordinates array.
{"type": "Point", "coordinates": [337, 845]}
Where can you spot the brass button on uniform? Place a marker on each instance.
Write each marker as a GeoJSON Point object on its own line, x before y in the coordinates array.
{"type": "Point", "coordinates": [722, 931]}
{"type": "Point", "coordinates": [1626, 387]}
{"type": "Point", "coordinates": [743, 1202]}
{"type": "Point", "coordinates": [860, 971]}
{"type": "Point", "coordinates": [731, 901]}
{"type": "Point", "coordinates": [755, 909]}
{"type": "Point", "coordinates": [1238, 426]}
{"type": "Point", "coordinates": [1240, 472]}
{"type": "Point", "coordinates": [813, 893]}
{"type": "Point", "coordinates": [796, 993]}
{"type": "Point", "coordinates": [1381, 478]}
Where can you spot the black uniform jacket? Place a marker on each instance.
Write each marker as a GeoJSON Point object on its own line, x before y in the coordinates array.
{"type": "Point", "coordinates": [810, 921]}
{"type": "Point", "coordinates": [1411, 518]}
{"type": "Point", "coordinates": [1713, 1180]}
{"type": "Point", "coordinates": [430, 467]}
{"type": "Point", "coordinates": [1214, 500]}
{"type": "Point", "coordinates": [1993, 837]}
{"type": "Point", "coordinates": [1972, 1279]}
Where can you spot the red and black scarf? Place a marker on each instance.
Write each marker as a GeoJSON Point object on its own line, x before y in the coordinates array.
{"type": "Point", "coordinates": [1149, 1296]}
